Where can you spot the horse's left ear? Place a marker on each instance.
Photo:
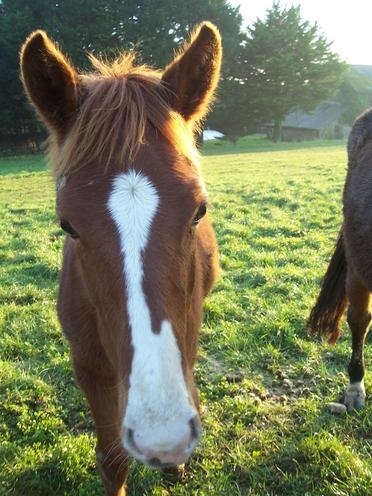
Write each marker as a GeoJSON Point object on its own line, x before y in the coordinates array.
{"type": "Point", "coordinates": [49, 79]}
{"type": "Point", "coordinates": [193, 75]}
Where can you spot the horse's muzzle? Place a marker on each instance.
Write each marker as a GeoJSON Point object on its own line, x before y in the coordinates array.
{"type": "Point", "coordinates": [164, 454]}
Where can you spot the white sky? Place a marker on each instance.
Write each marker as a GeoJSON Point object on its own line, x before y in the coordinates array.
{"type": "Point", "coordinates": [346, 23]}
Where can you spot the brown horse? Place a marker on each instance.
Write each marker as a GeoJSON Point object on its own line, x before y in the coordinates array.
{"type": "Point", "coordinates": [140, 254]}
{"type": "Point", "coordinates": [348, 280]}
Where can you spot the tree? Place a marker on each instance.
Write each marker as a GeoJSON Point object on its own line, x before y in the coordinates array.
{"type": "Point", "coordinates": [78, 27]}
{"type": "Point", "coordinates": [14, 112]}
{"type": "Point", "coordinates": [288, 65]}
{"type": "Point", "coordinates": [231, 115]}
{"type": "Point", "coordinates": [355, 94]}
{"type": "Point", "coordinates": [104, 27]}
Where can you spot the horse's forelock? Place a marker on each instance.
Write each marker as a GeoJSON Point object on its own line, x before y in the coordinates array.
{"type": "Point", "coordinates": [115, 111]}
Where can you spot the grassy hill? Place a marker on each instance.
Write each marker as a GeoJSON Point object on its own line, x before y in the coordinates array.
{"type": "Point", "coordinates": [264, 385]}
{"type": "Point", "coordinates": [364, 69]}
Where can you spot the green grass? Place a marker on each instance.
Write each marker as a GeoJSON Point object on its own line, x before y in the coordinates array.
{"type": "Point", "coordinates": [264, 385]}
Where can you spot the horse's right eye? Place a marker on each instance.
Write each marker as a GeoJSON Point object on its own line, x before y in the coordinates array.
{"type": "Point", "coordinates": [66, 226]}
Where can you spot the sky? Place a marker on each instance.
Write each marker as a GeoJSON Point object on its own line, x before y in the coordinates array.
{"type": "Point", "coordinates": [346, 23]}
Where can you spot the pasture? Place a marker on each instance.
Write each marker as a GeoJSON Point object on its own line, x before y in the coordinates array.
{"type": "Point", "coordinates": [264, 385]}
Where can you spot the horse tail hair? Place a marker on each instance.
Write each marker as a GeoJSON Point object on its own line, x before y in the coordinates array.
{"type": "Point", "coordinates": [324, 319]}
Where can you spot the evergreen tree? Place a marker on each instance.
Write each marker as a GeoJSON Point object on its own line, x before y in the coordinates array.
{"type": "Point", "coordinates": [288, 65]}
{"type": "Point", "coordinates": [355, 94]}
{"type": "Point", "coordinates": [104, 27]}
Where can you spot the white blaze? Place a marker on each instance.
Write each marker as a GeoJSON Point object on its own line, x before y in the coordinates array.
{"type": "Point", "coordinates": [158, 408]}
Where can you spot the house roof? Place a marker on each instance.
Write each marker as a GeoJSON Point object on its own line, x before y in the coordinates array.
{"type": "Point", "coordinates": [322, 117]}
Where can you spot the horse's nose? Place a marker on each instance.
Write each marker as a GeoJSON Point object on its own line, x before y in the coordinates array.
{"type": "Point", "coordinates": [163, 450]}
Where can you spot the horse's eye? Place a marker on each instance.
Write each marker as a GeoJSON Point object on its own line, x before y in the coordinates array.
{"type": "Point", "coordinates": [200, 214]}
{"type": "Point", "coordinates": [66, 226]}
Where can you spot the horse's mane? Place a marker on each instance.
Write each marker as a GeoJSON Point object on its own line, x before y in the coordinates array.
{"type": "Point", "coordinates": [118, 102]}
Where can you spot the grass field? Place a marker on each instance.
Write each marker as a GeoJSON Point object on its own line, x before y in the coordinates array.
{"type": "Point", "coordinates": [264, 385]}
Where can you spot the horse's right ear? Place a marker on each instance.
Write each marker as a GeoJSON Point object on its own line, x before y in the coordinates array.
{"type": "Point", "coordinates": [50, 81]}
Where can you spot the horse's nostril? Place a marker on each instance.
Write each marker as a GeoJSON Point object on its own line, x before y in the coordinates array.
{"type": "Point", "coordinates": [195, 428]}
{"type": "Point", "coordinates": [154, 463]}
{"type": "Point", "coordinates": [129, 435]}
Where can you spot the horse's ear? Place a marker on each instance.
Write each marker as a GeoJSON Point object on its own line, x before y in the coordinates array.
{"type": "Point", "coordinates": [50, 81]}
{"type": "Point", "coordinates": [193, 75]}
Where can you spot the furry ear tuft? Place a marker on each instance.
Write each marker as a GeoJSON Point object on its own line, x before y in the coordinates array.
{"type": "Point", "coordinates": [193, 75]}
{"type": "Point", "coordinates": [49, 80]}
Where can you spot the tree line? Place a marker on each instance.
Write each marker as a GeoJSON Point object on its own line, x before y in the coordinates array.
{"type": "Point", "coordinates": [278, 64]}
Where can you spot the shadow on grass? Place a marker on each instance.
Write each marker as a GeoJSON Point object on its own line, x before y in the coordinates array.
{"type": "Point", "coordinates": [27, 289]}
{"type": "Point", "coordinates": [313, 465]}
{"type": "Point", "coordinates": [62, 477]}
{"type": "Point", "coordinates": [25, 270]}
{"type": "Point", "coordinates": [24, 164]}
{"type": "Point", "coordinates": [267, 202]}
{"type": "Point", "coordinates": [49, 477]}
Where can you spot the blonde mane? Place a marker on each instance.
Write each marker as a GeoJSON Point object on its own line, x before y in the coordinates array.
{"type": "Point", "coordinates": [118, 103]}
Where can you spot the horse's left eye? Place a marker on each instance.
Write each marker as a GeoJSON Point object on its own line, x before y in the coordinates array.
{"type": "Point", "coordinates": [200, 214]}
{"type": "Point", "coordinates": [67, 227]}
